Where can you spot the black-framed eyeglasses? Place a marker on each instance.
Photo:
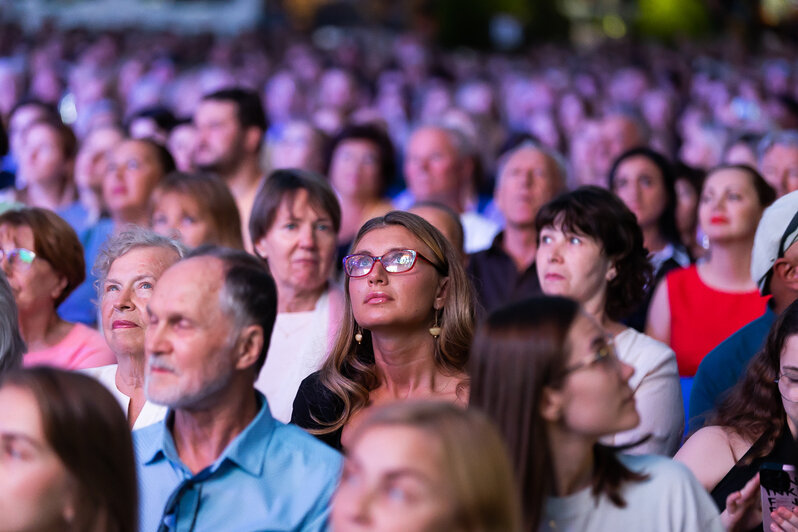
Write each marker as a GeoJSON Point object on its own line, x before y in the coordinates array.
{"type": "Point", "coordinates": [397, 261]}
{"type": "Point", "coordinates": [18, 258]}
{"type": "Point", "coordinates": [606, 354]}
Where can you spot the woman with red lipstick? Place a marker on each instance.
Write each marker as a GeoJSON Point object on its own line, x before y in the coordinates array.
{"type": "Point", "coordinates": [43, 260]}
{"type": "Point", "coordinates": [591, 249]}
{"type": "Point", "coordinates": [407, 327]}
{"type": "Point", "coordinates": [695, 309]}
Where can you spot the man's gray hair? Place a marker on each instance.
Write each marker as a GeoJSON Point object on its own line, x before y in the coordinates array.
{"type": "Point", "coordinates": [787, 137]}
{"type": "Point", "coordinates": [131, 238]}
{"type": "Point", "coordinates": [560, 163]}
{"type": "Point", "coordinates": [457, 138]}
{"type": "Point", "coordinates": [12, 346]}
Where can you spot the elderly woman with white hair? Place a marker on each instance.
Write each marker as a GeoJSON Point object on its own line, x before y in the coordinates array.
{"type": "Point", "coordinates": [12, 347]}
{"type": "Point", "coordinates": [127, 268]}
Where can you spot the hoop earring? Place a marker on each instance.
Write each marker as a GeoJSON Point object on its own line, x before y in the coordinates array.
{"type": "Point", "coordinates": [359, 335]}
{"type": "Point", "coordinates": [435, 330]}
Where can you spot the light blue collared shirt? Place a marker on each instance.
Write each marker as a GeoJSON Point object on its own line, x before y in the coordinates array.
{"type": "Point", "coordinates": [270, 477]}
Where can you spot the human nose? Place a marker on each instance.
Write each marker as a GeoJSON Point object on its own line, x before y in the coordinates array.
{"type": "Point", "coordinates": [358, 508]}
{"type": "Point", "coordinates": [307, 236]}
{"type": "Point", "coordinates": [377, 273]}
{"type": "Point", "coordinates": [155, 339]}
{"type": "Point", "coordinates": [124, 300]}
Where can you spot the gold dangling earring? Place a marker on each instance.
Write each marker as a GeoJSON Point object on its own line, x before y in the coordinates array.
{"type": "Point", "coordinates": [435, 331]}
{"type": "Point", "coordinates": [359, 335]}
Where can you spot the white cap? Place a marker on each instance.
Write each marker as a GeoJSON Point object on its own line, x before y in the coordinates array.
{"type": "Point", "coordinates": [769, 234]}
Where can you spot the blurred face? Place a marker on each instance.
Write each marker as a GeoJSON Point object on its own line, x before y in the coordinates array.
{"type": "Point", "coordinates": [19, 123]}
{"type": "Point", "coordinates": [91, 164]}
{"type": "Point", "coordinates": [220, 137]}
{"type": "Point", "coordinates": [573, 265]}
{"type": "Point", "coordinates": [443, 222]}
{"type": "Point", "coordinates": [686, 205]}
{"type": "Point", "coordinates": [188, 341]}
{"type": "Point", "coordinates": [596, 398]}
{"type": "Point", "coordinates": [35, 486]}
{"type": "Point", "coordinates": [741, 153]}
{"type": "Point", "coordinates": [528, 180]}
{"type": "Point", "coordinates": [182, 143]}
{"type": "Point", "coordinates": [42, 159]}
{"type": "Point", "coordinates": [179, 216]}
{"type": "Point", "coordinates": [639, 183]}
{"type": "Point", "coordinates": [300, 245]}
{"type": "Point", "coordinates": [355, 169]}
{"type": "Point", "coordinates": [36, 285]}
{"type": "Point", "coordinates": [298, 147]}
{"type": "Point", "coordinates": [780, 168]}
{"type": "Point", "coordinates": [125, 293]}
{"type": "Point", "coordinates": [619, 134]}
{"type": "Point", "coordinates": [396, 300]}
{"type": "Point", "coordinates": [729, 207]}
{"type": "Point", "coordinates": [432, 167]}
{"type": "Point", "coordinates": [394, 480]}
{"type": "Point", "coordinates": [132, 175]}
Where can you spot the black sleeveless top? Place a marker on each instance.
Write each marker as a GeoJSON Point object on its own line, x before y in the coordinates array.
{"type": "Point", "coordinates": [785, 451]}
{"type": "Point", "coordinates": [315, 406]}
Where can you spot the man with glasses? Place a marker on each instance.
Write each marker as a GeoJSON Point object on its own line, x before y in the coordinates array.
{"type": "Point", "coordinates": [220, 461]}
{"type": "Point", "coordinates": [774, 267]}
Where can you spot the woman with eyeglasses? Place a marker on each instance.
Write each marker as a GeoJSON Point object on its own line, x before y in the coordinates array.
{"type": "Point", "coordinates": [43, 260]}
{"type": "Point", "coordinates": [294, 225]}
{"type": "Point", "coordinates": [755, 424]}
{"type": "Point", "coordinates": [407, 326]}
{"type": "Point", "coordinates": [544, 372]}
{"type": "Point", "coordinates": [590, 249]}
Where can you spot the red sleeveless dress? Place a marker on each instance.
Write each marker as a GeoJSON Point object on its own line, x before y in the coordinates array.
{"type": "Point", "coordinates": [702, 317]}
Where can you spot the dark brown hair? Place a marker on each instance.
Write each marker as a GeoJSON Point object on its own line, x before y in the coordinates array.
{"type": "Point", "coordinates": [66, 137]}
{"type": "Point", "coordinates": [517, 351]}
{"type": "Point", "coordinates": [377, 137]}
{"type": "Point", "coordinates": [84, 425]}
{"type": "Point", "coordinates": [55, 241]}
{"type": "Point", "coordinates": [213, 198]}
{"type": "Point", "coordinates": [764, 192]}
{"type": "Point", "coordinates": [599, 214]}
{"type": "Point", "coordinates": [282, 184]}
{"type": "Point", "coordinates": [754, 408]}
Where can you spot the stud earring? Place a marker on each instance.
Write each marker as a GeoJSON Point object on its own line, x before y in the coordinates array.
{"type": "Point", "coordinates": [435, 330]}
{"type": "Point", "coordinates": [359, 335]}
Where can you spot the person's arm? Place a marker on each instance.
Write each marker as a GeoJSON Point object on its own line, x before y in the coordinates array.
{"type": "Point", "coordinates": [708, 454]}
{"type": "Point", "coordinates": [658, 323]}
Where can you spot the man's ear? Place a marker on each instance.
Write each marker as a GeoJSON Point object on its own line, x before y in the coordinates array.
{"type": "Point", "coordinates": [253, 137]}
{"type": "Point", "coordinates": [787, 272]}
{"type": "Point", "coordinates": [441, 293]}
{"type": "Point", "coordinates": [551, 404]}
{"type": "Point", "coordinates": [250, 343]}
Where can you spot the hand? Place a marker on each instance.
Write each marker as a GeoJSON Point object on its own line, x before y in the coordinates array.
{"type": "Point", "coordinates": [744, 508]}
{"type": "Point", "coordinates": [784, 520]}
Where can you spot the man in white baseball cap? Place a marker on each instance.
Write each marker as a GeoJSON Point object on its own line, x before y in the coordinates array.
{"type": "Point", "coordinates": [774, 267]}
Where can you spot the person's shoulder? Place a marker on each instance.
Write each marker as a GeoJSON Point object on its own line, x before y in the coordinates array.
{"type": "Point", "coordinates": [634, 346]}
{"type": "Point", "coordinates": [298, 457]}
{"type": "Point", "coordinates": [146, 440]}
{"type": "Point", "coordinates": [293, 439]}
{"type": "Point", "coordinates": [663, 473]}
{"type": "Point", "coordinates": [684, 274]}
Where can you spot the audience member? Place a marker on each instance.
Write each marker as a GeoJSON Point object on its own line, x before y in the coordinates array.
{"type": "Point", "coordinates": [182, 142]}
{"type": "Point", "coordinates": [67, 456]}
{"type": "Point", "coordinates": [688, 185]}
{"type": "Point", "coordinates": [196, 208]}
{"type": "Point", "coordinates": [43, 261]}
{"type": "Point", "coordinates": [545, 373]}
{"type": "Point", "coordinates": [774, 263]}
{"type": "Point", "coordinates": [91, 167]}
{"type": "Point", "coordinates": [219, 451]}
{"type": "Point", "coordinates": [591, 249]}
{"type": "Point", "coordinates": [621, 129]}
{"type": "Point", "coordinates": [294, 223]}
{"type": "Point", "coordinates": [696, 308]}
{"type": "Point", "coordinates": [407, 325]}
{"type": "Point", "coordinates": [447, 466]}
{"type": "Point", "coordinates": [12, 346]}
{"type": "Point", "coordinates": [128, 267]}
{"type": "Point", "coordinates": [301, 145]}
{"type": "Point", "coordinates": [778, 160]}
{"type": "Point", "coordinates": [25, 112]}
{"type": "Point", "coordinates": [528, 177]}
{"type": "Point", "coordinates": [445, 220]}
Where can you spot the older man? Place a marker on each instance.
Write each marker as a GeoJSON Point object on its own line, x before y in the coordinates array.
{"type": "Point", "coordinates": [438, 168]}
{"type": "Point", "coordinates": [219, 461]}
{"type": "Point", "coordinates": [529, 176]}
{"type": "Point", "coordinates": [778, 160]}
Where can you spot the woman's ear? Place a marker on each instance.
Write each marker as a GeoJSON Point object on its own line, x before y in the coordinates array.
{"type": "Point", "coordinates": [611, 273]}
{"type": "Point", "coordinates": [441, 293]}
{"type": "Point", "coordinates": [551, 404]}
{"type": "Point", "coordinates": [59, 287]}
{"type": "Point", "coordinates": [260, 247]}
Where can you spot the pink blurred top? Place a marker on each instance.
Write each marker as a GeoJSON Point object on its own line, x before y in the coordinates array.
{"type": "Point", "coordinates": [82, 348]}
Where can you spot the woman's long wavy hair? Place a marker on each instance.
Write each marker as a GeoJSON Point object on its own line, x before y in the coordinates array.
{"type": "Point", "coordinates": [350, 374]}
{"type": "Point", "coordinates": [518, 351]}
{"type": "Point", "coordinates": [754, 408]}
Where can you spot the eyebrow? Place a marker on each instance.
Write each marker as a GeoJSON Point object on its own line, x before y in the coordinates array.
{"type": "Point", "coordinates": [11, 436]}
{"type": "Point", "coordinates": [367, 252]}
{"type": "Point", "coordinates": [137, 278]}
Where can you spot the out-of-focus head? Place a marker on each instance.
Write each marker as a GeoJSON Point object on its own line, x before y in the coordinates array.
{"type": "Point", "coordinates": [529, 176]}
{"type": "Point", "coordinates": [426, 466]}
{"type": "Point", "coordinates": [47, 153]}
{"type": "Point", "coordinates": [211, 319]}
{"type": "Point", "coordinates": [445, 220]}
{"type": "Point", "coordinates": [778, 160]}
{"type": "Point", "coordinates": [181, 143]}
{"type": "Point", "coordinates": [63, 424]}
{"type": "Point", "coordinates": [775, 235]}
{"type": "Point", "coordinates": [590, 248]}
{"type": "Point", "coordinates": [688, 185]}
{"type": "Point", "coordinates": [12, 347]}
{"type": "Point", "coordinates": [196, 208]}
{"type": "Point", "coordinates": [153, 123]}
{"type": "Point", "coordinates": [361, 161]}
{"type": "Point", "coordinates": [621, 129]}
{"type": "Point", "coordinates": [742, 149]}
{"type": "Point", "coordinates": [135, 168]}
{"type": "Point", "coordinates": [294, 224]}
{"type": "Point", "coordinates": [230, 125]}
{"type": "Point", "coordinates": [128, 268]}
{"type": "Point", "coordinates": [22, 115]}
{"type": "Point", "coordinates": [703, 147]}
{"type": "Point", "coordinates": [299, 145]}
{"type": "Point", "coordinates": [91, 164]}
{"type": "Point", "coordinates": [42, 258]}
{"type": "Point", "coordinates": [437, 165]}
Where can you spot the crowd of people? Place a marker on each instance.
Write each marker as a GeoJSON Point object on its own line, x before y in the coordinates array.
{"type": "Point", "coordinates": [257, 283]}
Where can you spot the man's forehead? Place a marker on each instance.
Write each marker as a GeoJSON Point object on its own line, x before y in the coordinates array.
{"type": "Point", "coordinates": [197, 276]}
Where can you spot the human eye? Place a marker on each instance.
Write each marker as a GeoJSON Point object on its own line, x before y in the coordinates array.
{"type": "Point", "coordinates": [575, 240]}
{"type": "Point", "coordinates": [290, 225]}
{"type": "Point", "coordinates": [111, 287]}
{"type": "Point", "coordinates": [646, 181]}
{"type": "Point", "coordinates": [323, 226]}
{"type": "Point", "coordinates": [133, 164]}
{"type": "Point", "coordinates": [146, 285]}
{"type": "Point", "coordinates": [188, 220]}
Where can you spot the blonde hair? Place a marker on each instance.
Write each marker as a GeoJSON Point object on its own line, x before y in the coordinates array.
{"type": "Point", "coordinates": [349, 373]}
{"type": "Point", "coordinates": [476, 467]}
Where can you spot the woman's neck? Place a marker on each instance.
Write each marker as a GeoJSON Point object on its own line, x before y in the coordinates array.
{"type": "Point", "coordinates": [130, 216]}
{"type": "Point", "coordinates": [572, 461]}
{"type": "Point", "coordinates": [41, 329]}
{"type": "Point", "coordinates": [130, 372]}
{"type": "Point", "coordinates": [729, 263]}
{"type": "Point", "coordinates": [290, 299]}
{"type": "Point", "coordinates": [49, 194]}
{"type": "Point", "coordinates": [405, 363]}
